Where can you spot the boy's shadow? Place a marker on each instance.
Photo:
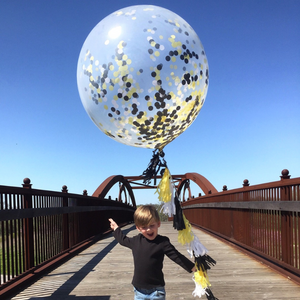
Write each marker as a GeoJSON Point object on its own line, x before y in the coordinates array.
{"type": "Point", "coordinates": [63, 292]}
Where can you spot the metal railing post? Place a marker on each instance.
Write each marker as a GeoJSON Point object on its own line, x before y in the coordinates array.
{"type": "Point", "coordinates": [66, 238]}
{"type": "Point", "coordinates": [286, 240]}
{"type": "Point", "coordinates": [28, 228]}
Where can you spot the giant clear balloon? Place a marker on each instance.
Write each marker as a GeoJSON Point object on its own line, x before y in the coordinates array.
{"type": "Point", "coordinates": [142, 76]}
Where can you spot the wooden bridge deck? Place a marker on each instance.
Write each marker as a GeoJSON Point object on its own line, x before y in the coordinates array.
{"type": "Point", "coordinates": [104, 272]}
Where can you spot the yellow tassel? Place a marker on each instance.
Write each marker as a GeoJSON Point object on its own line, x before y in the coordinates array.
{"type": "Point", "coordinates": [164, 189]}
{"type": "Point", "coordinates": [202, 278]}
{"type": "Point", "coordinates": [186, 235]}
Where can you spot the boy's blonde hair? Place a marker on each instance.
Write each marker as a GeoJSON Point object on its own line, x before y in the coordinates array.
{"type": "Point", "coordinates": [145, 214]}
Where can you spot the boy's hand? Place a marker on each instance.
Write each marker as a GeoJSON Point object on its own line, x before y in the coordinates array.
{"type": "Point", "coordinates": [194, 269]}
{"type": "Point", "coordinates": [113, 224]}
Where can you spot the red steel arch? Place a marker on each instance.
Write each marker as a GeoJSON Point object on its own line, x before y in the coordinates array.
{"type": "Point", "coordinates": [124, 186]}
{"type": "Point", "coordinates": [200, 180]}
{"type": "Point", "coordinates": [129, 183]}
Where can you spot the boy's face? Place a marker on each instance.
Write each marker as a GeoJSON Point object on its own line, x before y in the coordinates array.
{"type": "Point", "coordinates": [150, 231]}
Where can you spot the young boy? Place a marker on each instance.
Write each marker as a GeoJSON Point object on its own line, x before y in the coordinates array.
{"type": "Point", "coordinates": [148, 249]}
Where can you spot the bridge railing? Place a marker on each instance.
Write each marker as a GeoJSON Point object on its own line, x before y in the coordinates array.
{"type": "Point", "coordinates": [264, 220]}
{"type": "Point", "coordinates": [40, 228]}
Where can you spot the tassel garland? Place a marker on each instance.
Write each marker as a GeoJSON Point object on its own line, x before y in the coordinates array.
{"type": "Point", "coordinates": [171, 206]}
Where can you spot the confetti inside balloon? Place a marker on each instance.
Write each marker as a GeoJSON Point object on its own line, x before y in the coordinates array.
{"type": "Point", "coordinates": [142, 76]}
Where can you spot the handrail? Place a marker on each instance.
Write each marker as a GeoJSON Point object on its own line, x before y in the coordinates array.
{"type": "Point", "coordinates": [262, 219]}
{"type": "Point", "coordinates": [40, 228]}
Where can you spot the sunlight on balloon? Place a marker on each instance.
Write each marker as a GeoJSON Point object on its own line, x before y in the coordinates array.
{"type": "Point", "coordinates": [115, 32]}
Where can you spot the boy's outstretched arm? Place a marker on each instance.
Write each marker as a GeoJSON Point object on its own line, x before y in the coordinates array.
{"type": "Point", "coordinates": [113, 224]}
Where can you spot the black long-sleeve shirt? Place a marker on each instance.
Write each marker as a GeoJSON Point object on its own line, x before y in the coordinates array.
{"type": "Point", "coordinates": [148, 256]}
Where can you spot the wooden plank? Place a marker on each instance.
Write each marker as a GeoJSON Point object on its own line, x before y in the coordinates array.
{"type": "Point", "coordinates": [104, 272]}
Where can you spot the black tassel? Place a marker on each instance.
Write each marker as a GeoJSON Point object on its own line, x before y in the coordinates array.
{"type": "Point", "coordinates": [204, 262]}
{"type": "Point", "coordinates": [154, 167]}
{"type": "Point", "coordinates": [178, 221]}
{"type": "Point", "coordinates": [210, 295]}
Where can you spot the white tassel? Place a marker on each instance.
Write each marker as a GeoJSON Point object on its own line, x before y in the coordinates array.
{"type": "Point", "coordinates": [198, 291]}
{"type": "Point", "coordinates": [196, 248]}
{"type": "Point", "coordinates": [168, 209]}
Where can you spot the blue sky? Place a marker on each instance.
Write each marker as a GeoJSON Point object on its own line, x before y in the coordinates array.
{"type": "Point", "coordinates": [249, 126]}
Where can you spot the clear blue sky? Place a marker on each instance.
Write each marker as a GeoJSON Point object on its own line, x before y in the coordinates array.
{"type": "Point", "coordinates": [249, 126]}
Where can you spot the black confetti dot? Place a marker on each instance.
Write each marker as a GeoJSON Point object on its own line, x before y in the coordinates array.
{"type": "Point", "coordinates": [168, 58]}
{"type": "Point", "coordinates": [153, 74]}
{"type": "Point", "coordinates": [159, 67]}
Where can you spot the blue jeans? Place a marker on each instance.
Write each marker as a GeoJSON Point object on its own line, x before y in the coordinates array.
{"type": "Point", "coordinates": [152, 294]}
